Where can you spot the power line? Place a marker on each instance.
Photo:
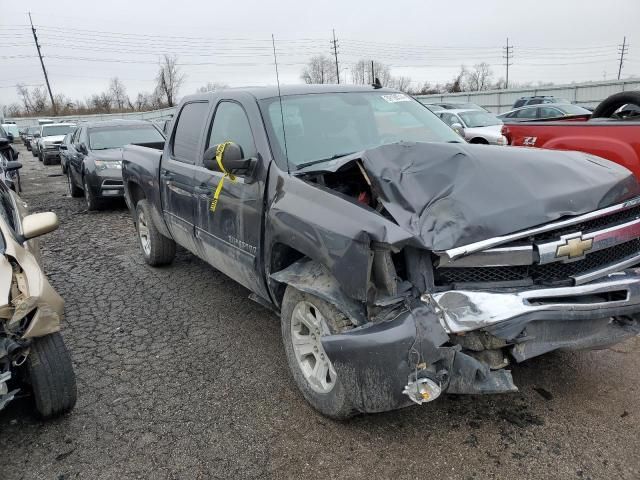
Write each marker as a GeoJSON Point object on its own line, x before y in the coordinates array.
{"type": "Point", "coordinates": [623, 50]}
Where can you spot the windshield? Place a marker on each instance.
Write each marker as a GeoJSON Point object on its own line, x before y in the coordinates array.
{"type": "Point", "coordinates": [573, 109]}
{"type": "Point", "coordinates": [322, 126]}
{"type": "Point", "coordinates": [54, 130]}
{"type": "Point", "coordinates": [479, 119]}
{"type": "Point", "coordinates": [12, 129]}
{"type": "Point", "coordinates": [104, 138]}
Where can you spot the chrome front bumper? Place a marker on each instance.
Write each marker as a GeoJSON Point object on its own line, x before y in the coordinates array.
{"type": "Point", "coordinates": [466, 310]}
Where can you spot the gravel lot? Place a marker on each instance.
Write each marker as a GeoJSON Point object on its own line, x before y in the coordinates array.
{"type": "Point", "coordinates": [181, 376]}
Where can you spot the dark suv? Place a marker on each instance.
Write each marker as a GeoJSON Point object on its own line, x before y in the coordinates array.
{"type": "Point", "coordinates": [537, 100]}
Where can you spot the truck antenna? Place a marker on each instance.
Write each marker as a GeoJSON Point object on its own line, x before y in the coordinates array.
{"type": "Point", "coordinates": [284, 131]}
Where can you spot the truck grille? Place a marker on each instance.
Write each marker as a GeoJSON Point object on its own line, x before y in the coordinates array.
{"type": "Point", "coordinates": [556, 272]}
{"type": "Point", "coordinates": [547, 274]}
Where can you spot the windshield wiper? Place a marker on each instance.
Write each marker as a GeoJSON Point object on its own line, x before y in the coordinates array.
{"type": "Point", "coordinates": [313, 162]}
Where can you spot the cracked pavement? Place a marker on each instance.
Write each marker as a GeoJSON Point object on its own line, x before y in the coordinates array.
{"type": "Point", "coordinates": [181, 376]}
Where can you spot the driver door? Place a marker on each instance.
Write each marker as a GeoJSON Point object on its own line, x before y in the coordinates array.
{"type": "Point", "coordinates": [229, 237]}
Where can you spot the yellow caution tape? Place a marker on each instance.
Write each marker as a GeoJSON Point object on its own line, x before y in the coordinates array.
{"type": "Point", "coordinates": [232, 178]}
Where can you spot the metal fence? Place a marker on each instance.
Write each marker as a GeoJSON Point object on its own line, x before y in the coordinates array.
{"type": "Point", "coordinates": [154, 115]}
{"type": "Point", "coordinates": [497, 101]}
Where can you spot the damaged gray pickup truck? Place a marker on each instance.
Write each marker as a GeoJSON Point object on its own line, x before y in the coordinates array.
{"type": "Point", "coordinates": [404, 262]}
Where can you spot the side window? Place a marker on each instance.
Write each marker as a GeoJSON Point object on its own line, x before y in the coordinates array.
{"type": "Point", "coordinates": [188, 130]}
{"type": "Point", "coordinates": [449, 119]}
{"type": "Point", "coordinates": [527, 113]}
{"type": "Point", "coordinates": [535, 101]}
{"type": "Point", "coordinates": [230, 124]}
{"type": "Point", "coordinates": [548, 112]}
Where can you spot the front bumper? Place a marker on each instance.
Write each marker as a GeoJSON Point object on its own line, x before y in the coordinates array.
{"type": "Point", "coordinates": [106, 184]}
{"type": "Point", "coordinates": [465, 310]}
{"type": "Point", "coordinates": [376, 361]}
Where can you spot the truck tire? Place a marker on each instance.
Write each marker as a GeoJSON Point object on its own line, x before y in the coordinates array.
{"type": "Point", "coordinates": [34, 153]}
{"type": "Point", "coordinates": [610, 104]}
{"type": "Point", "coordinates": [305, 318]}
{"type": "Point", "coordinates": [46, 160]}
{"type": "Point", "coordinates": [93, 202]}
{"type": "Point", "coordinates": [74, 191]}
{"type": "Point", "coordinates": [51, 375]}
{"type": "Point", "coordinates": [156, 248]}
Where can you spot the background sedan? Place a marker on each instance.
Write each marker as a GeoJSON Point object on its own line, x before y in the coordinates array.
{"type": "Point", "coordinates": [475, 126]}
{"type": "Point", "coordinates": [557, 110]}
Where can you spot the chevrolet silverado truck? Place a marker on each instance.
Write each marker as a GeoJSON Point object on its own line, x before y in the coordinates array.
{"type": "Point", "coordinates": [612, 132]}
{"type": "Point", "coordinates": [403, 262]}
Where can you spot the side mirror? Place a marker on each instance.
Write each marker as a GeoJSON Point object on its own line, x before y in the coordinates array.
{"type": "Point", "coordinates": [232, 160]}
{"type": "Point", "coordinates": [10, 137]}
{"type": "Point", "coordinates": [4, 142]}
{"type": "Point", "coordinates": [12, 165]}
{"type": "Point", "coordinates": [82, 148]}
{"type": "Point", "coordinates": [458, 128]}
{"type": "Point", "coordinates": [36, 135]}
{"type": "Point", "coordinates": [38, 224]}
{"type": "Point", "coordinates": [63, 146]}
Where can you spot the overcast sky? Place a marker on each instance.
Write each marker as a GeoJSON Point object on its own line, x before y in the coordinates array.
{"type": "Point", "coordinates": [85, 43]}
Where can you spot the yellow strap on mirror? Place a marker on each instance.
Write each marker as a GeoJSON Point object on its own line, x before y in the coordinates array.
{"type": "Point", "coordinates": [216, 194]}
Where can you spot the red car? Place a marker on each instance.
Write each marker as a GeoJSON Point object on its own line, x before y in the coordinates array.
{"type": "Point", "coordinates": [611, 133]}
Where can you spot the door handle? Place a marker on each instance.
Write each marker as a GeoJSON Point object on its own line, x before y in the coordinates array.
{"type": "Point", "coordinates": [166, 175]}
{"type": "Point", "coordinates": [204, 191]}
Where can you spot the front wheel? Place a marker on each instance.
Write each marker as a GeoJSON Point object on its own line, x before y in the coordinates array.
{"type": "Point", "coordinates": [305, 318]}
{"type": "Point", "coordinates": [33, 152]}
{"type": "Point", "coordinates": [156, 248]}
{"type": "Point", "coordinates": [51, 375]}
{"type": "Point", "coordinates": [74, 191]}
{"type": "Point", "coordinates": [40, 156]}
{"type": "Point", "coordinates": [93, 202]}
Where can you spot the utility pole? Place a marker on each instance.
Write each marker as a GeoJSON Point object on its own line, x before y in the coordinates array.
{"type": "Point", "coordinates": [335, 53]}
{"type": "Point", "coordinates": [508, 50]}
{"type": "Point", "coordinates": [44, 70]}
{"type": "Point", "coordinates": [623, 50]}
{"type": "Point", "coordinates": [373, 74]}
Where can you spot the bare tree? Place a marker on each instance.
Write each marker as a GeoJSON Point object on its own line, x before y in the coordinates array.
{"type": "Point", "coordinates": [169, 79]}
{"type": "Point", "coordinates": [25, 97]}
{"type": "Point", "coordinates": [39, 99]}
{"type": "Point", "coordinates": [118, 93]}
{"type": "Point", "coordinates": [362, 74]}
{"type": "Point", "coordinates": [402, 83]}
{"type": "Point", "coordinates": [319, 69]}
{"type": "Point", "coordinates": [458, 83]}
{"type": "Point", "coordinates": [479, 78]}
{"type": "Point", "coordinates": [212, 87]}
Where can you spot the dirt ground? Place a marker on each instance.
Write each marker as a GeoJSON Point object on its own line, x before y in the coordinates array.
{"type": "Point", "coordinates": [181, 376]}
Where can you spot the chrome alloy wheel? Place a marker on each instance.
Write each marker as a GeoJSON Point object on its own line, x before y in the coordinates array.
{"type": "Point", "coordinates": [307, 327]}
{"type": "Point", "coordinates": [143, 234]}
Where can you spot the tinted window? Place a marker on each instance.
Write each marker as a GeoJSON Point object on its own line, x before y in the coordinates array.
{"type": "Point", "coordinates": [548, 112]}
{"type": "Point", "coordinates": [526, 113]}
{"type": "Point", "coordinates": [231, 124]}
{"type": "Point", "coordinates": [104, 138]}
{"type": "Point", "coordinates": [188, 131]}
{"type": "Point", "coordinates": [534, 101]}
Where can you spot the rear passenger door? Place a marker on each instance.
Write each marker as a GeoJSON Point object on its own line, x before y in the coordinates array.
{"type": "Point", "coordinates": [176, 172]}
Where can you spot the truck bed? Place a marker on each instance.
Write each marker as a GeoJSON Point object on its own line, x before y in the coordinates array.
{"type": "Point", "coordinates": [615, 140]}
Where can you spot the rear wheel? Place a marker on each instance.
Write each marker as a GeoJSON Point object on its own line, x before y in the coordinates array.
{"type": "Point", "coordinates": [305, 318]}
{"type": "Point", "coordinates": [51, 376]}
{"type": "Point", "coordinates": [46, 160]}
{"type": "Point", "coordinates": [156, 248]}
{"type": "Point", "coordinates": [33, 152]}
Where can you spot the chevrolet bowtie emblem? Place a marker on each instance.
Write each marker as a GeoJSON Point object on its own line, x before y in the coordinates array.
{"type": "Point", "coordinates": [574, 247]}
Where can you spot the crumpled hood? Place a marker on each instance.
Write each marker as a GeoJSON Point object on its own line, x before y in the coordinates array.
{"type": "Point", "coordinates": [449, 195]}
